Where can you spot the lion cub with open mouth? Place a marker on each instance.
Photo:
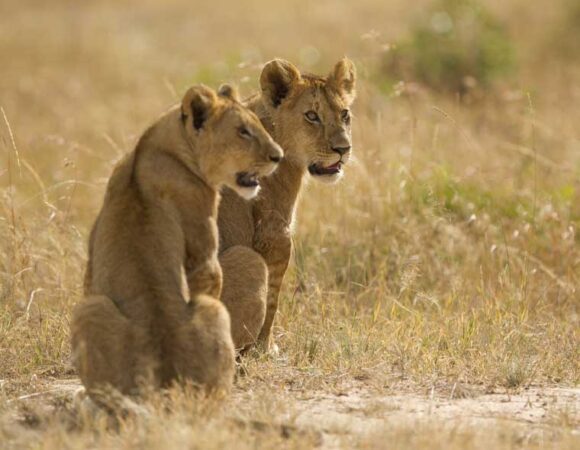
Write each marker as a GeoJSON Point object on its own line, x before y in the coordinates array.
{"type": "Point", "coordinates": [142, 324]}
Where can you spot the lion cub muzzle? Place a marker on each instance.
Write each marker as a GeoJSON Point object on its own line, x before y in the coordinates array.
{"type": "Point", "coordinates": [248, 182]}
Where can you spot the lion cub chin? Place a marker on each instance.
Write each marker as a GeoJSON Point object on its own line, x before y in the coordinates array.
{"type": "Point", "coordinates": [140, 326]}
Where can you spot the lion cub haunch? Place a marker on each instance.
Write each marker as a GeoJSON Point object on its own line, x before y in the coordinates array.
{"type": "Point", "coordinates": [151, 314]}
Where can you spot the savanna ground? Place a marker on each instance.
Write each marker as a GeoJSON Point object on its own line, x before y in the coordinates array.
{"type": "Point", "coordinates": [434, 296]}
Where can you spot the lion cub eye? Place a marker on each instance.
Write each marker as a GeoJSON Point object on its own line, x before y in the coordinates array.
{"type": "Point", "coordinates": [311, 116]}
{"type": "Point", "coordinates": [345, 116]}
{"type": "Point", "coordinates": [244, 132]}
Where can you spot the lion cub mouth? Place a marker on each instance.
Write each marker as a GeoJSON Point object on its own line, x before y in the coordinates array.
{"type": "Point", "coordinates": [247, 180]}
{"type": "Point", "coordinates": [247, 184]}
{"type": "Point", "coordinates": [319, 169]}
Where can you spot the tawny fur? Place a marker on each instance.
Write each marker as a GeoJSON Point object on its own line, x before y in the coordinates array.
{"type": "Point", "coordinates": [141, 324]}
{"type": "Point", "coordinates": [262, 226]}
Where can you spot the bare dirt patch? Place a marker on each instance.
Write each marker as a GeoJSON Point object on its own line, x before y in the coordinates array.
{"type": "Point", "coordinates": [361, 414]}
{"type": "Point", "coordinates": [356, 417]}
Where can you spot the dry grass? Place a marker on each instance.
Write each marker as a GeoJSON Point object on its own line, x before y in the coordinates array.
{"type": "Point", "coordinates": [450, 253]}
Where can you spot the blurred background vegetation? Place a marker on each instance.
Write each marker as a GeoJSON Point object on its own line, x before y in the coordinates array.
{"type": "Point", "coordinates": [454, 46]}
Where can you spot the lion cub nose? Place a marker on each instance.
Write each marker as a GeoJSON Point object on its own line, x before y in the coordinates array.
{"type": "Point", "coordinates": [276, 153]}
{"type": "Point", "coordinates": [341, 150]}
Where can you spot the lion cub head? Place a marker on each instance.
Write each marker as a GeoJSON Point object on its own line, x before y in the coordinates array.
{"type": "Point", "coordinates": [234, 148]}
{"type": "Point", "coordinates": [311, 115]}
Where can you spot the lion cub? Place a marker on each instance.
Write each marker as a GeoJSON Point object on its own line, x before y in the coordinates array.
{"type": "Point", "coordinates": [142, 323]}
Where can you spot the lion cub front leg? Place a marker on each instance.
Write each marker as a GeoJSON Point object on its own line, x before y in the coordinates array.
{"type": "Point", "coordinates": [204, 350]}
{"type": "Point", "coordinates": [244, 293]}
{"type": "Point", "coordinates": [276, 251]}
{"type": "Point", "coordinates": [204, 278]}
{"type": "Point", "coordinates": [275, 278]}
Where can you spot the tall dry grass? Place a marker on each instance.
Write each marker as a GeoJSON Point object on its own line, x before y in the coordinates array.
{"type": "Point", "coordinates": [449, 253]}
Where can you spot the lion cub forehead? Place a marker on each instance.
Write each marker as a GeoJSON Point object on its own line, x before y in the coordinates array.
{"type": "Point", "coordinates": [232, 108]}
{"type": "Point", "coordinates": [334, 99]}
{"type": "Point", "coordinates": [321, 93]}
{"type": "Point", "coordinates": [315, 81]}
{"type": "Point", "coordinates": [246, 117]}
{"type": "Point", "coordinates": [324, 97]}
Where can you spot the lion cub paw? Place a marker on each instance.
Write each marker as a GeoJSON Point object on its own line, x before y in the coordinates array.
{"type": "Point", "coordinates": [274, 350]}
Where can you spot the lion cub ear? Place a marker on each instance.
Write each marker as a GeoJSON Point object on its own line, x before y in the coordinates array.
{"type": "Point", "coordinates": [198, 103]}
{"type": "Point", "coordinates": [343, 79]}
{"type": "Point", "coordinates": [277, 80]}
{"type": "Point", "coordinates": [229, 91]}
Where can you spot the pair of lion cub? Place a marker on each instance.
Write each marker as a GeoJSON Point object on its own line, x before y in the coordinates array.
{"type": "Point", "coordinates": [154, 276]}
